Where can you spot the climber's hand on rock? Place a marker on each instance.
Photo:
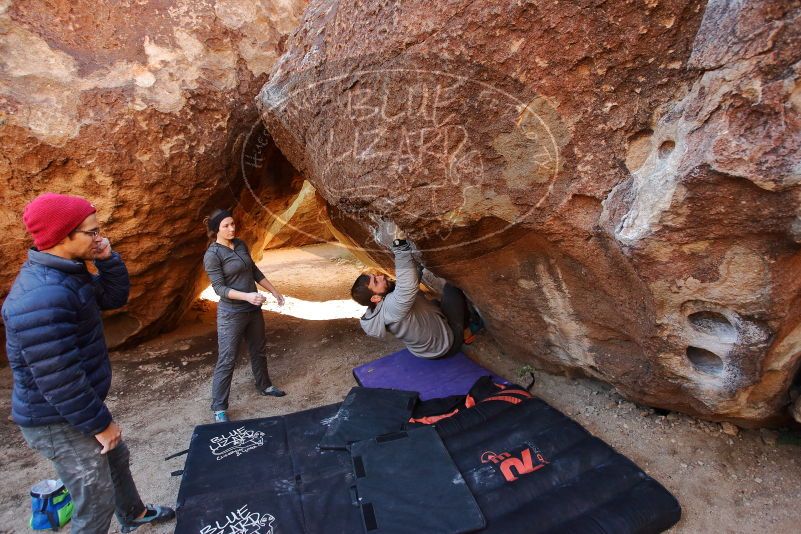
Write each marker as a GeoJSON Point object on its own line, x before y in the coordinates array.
{"type": "Point", "coordinates": [384, 233]}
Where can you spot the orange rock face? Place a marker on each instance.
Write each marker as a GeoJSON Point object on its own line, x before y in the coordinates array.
{"type": "Point", "coordinates": [616, 188]}
{"type": "Point", "coordinates": [143, 107]}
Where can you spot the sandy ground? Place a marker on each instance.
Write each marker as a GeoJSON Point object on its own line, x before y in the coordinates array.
{"type": "Point", "coordinates": [160, 392]}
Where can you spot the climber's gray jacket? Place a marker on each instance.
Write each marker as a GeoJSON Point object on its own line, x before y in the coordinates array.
{"type": "Point", "coordinates": [409, 315]}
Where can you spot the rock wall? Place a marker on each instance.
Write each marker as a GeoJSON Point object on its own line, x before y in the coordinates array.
{"type": "Point", "coordinates": [145, 107]}
{"type": "Point", "coordinates": [616, 186]}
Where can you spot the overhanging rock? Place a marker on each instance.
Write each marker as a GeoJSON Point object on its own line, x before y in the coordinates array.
{"type": "Point", "coordinates": [616, 189]}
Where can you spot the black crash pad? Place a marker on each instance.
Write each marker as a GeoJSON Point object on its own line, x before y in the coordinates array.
{"type": "Point", "coordinates": [366, 413]}
{"type": "Point", "coordinates": [534, 470]}
{"type": "Point", "coordinates": [407, 484]}
{"type": "Point", "coordinates": [267, 476]}
{"type": "Point", "coordinates": [529, 468]}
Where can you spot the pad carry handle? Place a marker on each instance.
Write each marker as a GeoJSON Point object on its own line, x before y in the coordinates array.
{"type": "Point", "coordinates": [354, 495]}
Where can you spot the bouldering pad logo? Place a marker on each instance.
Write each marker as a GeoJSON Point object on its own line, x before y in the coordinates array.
{"type": "Point", "coordinates": [236, 442]}
{"type": "Point", "coordinates": [457, 145]}
{"type": "Point", "coordinates": [242, 521]}
{"type": "Point", "coordinates": [513, 465]}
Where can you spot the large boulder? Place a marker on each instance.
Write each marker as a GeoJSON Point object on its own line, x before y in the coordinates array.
{"type": "Point", "coordinates": [147, 109]}
{"type": "Point", "coordinates": [616, 186]}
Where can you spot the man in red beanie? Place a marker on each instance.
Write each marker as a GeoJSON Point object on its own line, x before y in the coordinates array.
{"type": "Point", "coordinates": [60, 363]}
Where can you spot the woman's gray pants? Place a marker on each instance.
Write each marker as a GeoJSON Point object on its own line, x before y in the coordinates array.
{"type": "Point", "coordinates": [232, 328]}
{"type": "Point", "coordinates": [100, 484]}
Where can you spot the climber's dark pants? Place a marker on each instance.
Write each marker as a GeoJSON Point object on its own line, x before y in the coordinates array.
{"type": "Point", "coordinates": [454, 306]}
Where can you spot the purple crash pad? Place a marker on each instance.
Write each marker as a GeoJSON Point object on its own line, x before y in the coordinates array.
{"type": "Point", "coordinates": [433, 379]}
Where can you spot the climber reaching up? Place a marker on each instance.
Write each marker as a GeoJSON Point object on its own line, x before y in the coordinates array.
{"type": "Point", "coordinates": [427, 329]}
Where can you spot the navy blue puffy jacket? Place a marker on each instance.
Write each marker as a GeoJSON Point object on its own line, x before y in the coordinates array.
{"type": "Point", "coordinates": [55, 343]}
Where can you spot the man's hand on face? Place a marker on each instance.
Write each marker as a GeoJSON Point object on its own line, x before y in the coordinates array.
{"type": "Point", "coordinates": [103, 250]}
{"type": "Point", "coordinates": [110, 437]}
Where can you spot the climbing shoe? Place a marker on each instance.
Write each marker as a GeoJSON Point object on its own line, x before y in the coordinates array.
{"type": "Point", "coordinates": [220, 416]}
{"type": "Point", "coordinates": [476, 323]}
{"type": "Point", "coordinates": [153, 514]}
{"type": "Point", "coordinates": [469, 336]}
{"type": "Point", "coordinates": [272, 391]}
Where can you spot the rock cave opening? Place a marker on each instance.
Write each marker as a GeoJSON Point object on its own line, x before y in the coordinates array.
{"type": "Point", "coordinates": [286, 225]}
{"type": "Point", "coordinates": [314, 280]}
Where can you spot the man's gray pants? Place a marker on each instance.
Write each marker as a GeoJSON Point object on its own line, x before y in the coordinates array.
{"type": "Point", "coordinates": [232, 328]}
{"type": "Point", "coordinates": [100, 484]}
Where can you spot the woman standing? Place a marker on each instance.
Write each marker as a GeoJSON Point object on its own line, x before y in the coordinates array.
{"type": "Point", "coordinates": [234, 276]}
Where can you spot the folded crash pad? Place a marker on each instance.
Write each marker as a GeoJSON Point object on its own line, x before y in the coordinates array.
{"type": "Point", "coordinates": [440, 377]}
{"type": "Point", "coordinates": [366, 413]}
{"type": "Point", "coordinates": [407, 483]}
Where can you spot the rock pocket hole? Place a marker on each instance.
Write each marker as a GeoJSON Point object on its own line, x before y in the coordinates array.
{"type": "Point", "coordinates": [713, 323]}
{"type": "Point", "coordinates": [666, 148]}
{"type": "Point", "coordinates": [704, 360]}
{"type": "Point", "coordinates": [638, 150]}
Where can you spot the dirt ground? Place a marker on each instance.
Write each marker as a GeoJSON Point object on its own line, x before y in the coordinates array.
{"type": "Point", "coordinates": [160, 391]}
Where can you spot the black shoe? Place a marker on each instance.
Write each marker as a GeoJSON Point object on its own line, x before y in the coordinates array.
{"type": "Point", "coordinates": [272, 391]}
{"type": "Point", "coordinates": [153, 514]}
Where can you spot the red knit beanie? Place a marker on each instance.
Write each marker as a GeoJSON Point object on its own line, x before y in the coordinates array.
{"type": "Point", "coordinates": [50, 217]}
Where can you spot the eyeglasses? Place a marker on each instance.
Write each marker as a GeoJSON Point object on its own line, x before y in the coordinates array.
{"type": "Point", "coordinates": [91, 233]}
